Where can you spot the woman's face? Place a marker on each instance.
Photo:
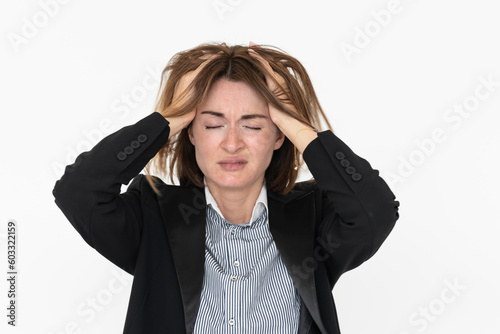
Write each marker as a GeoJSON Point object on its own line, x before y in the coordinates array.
{"type": "Point", "coordinates": [234, 137]}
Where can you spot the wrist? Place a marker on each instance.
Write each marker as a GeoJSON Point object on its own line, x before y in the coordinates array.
{"type": "Point", "coordinates": [299, 134]}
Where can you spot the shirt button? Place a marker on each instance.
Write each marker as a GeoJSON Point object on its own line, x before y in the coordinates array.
{"type": "Point", "coordinates": [236, 263]}
{"type": "Point", "coordinates": [234, 278]}
{"type": "Point", "coordinates": [233, 231]}
{"type": "Point", "coordinates": [231, 321]}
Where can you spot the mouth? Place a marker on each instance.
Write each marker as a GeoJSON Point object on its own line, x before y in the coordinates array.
{"type": "Point", "coordinates": [232, 163]}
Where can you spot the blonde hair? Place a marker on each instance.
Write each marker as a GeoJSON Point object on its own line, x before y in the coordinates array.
{"type": "Point", "coordinates": [234, 64]}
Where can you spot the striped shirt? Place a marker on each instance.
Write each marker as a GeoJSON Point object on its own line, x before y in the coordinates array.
{"type": "Point", "coordinates": [246, 287]}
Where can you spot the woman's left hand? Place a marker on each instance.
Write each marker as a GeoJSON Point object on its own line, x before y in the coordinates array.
{"type": "Point", "coordinates": [277, 116]}
{"type": "Point", "coordinates": [290, 126]}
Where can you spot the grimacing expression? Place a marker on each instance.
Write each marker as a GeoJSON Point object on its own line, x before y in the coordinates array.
{"type": "Point", "coordinates": [234, 136]}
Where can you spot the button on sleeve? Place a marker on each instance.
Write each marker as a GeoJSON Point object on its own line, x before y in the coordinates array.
{"type": "Point", "coordinates": [356, 177]}
{"type": "Point", "coordinates": [121, 156]}
{"type": "Point", "coordinates": [345, 163]}
{"type": "Point", "coordinates": [350, 170]}
{"type": "Point", "coordinates": [135, 144]}
{"type": "Point", "coordinates": [129, 150]}
{"type": "Point", "coordinates": [339, 155]}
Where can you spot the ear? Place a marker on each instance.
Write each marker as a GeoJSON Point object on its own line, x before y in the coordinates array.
{"type": "Point", "coordinates": [190, 133]}
{"type": "Point", "coordinates": [279, 140]}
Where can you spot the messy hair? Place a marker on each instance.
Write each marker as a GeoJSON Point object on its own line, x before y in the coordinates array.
{"type": "Point", "coordinates": [236, 64]}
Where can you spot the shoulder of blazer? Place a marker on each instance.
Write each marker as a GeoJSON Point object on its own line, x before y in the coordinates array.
{"type": "Point", "coordinates": [166, 191]}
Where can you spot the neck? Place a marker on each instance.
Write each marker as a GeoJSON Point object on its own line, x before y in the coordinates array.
{"type": "Point", "coordinates": [236, 205]}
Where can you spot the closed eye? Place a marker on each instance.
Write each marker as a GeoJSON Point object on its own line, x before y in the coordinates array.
{"type": "Point", "coordinates": [220, 126]}
{"type": "Point", "coordinates": [252, 128]}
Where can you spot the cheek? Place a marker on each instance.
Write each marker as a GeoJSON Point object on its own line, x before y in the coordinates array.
{"type": "Point", "coordinates": [202, 159]}
{"type": "Point", "coordinates": [262, 147]}
{"type": "Point", "coordinates": [205, 148]}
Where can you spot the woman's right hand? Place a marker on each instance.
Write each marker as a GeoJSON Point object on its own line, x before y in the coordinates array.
{"type": "Point", "coordinates": [182, 94]}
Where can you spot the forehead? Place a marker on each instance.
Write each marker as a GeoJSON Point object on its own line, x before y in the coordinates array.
{"type": "Point", "coordinates": [233, 97]}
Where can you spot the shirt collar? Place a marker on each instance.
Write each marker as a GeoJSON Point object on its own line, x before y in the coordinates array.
{"type": "Point", "coordinates": [259, 207]}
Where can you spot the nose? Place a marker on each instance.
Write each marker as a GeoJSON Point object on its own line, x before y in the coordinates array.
{"type": "Point", "coordinates": [232, 141]}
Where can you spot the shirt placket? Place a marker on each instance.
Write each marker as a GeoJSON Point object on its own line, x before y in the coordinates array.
{"type": "Point", "coordinates": [236, 279]}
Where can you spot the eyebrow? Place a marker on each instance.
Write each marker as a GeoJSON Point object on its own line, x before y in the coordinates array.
{"type": "Point", "coordinates": [247, 116]}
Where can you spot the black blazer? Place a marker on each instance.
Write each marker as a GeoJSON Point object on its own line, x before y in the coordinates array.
{"type": "Point", "coordinates": [322, 228]}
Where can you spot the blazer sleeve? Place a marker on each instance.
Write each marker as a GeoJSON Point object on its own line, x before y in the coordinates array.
{"type": "Point", "coordinates": [88, 193]}
{"type": "Point", "coordinates": [358, 208]}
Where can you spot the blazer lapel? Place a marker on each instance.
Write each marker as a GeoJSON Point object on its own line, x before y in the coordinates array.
{"type": "Point", "coordinates": [291, 220]}
{"type": "Point", "coordinates": [183, 212]}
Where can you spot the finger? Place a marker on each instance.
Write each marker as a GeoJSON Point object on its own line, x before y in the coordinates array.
{"type": "Point", "coordinates": [270, 75]}
{"type": "Point", "coordinates": [273, 79]}
{"type": "Point", "coordinates": [208, 58]}
{"type": "Point", "coordinates": [265, 63]}
{"type": "Point", "coordinates": [252, 44]}
{"type": "Point", "coordinates": [184, 83]}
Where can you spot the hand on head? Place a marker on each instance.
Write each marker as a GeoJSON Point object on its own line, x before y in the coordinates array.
{"type": "Point", "coordinates": [183, 94]}
{"type": "Point", "coordinates": [277, 85]}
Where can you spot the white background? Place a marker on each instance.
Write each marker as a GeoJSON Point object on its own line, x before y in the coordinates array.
{"type": "Point", "coordinates": [64, 82]}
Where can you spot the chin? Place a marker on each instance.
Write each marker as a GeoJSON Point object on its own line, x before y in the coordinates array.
{"type": "Point", "coordinates": [231, 182]}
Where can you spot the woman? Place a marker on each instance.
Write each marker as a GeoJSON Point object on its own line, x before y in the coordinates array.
{"type": "Point", "coordinates": [238, 246]}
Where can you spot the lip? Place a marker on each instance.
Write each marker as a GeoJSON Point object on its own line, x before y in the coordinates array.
{"type": "Point", "coordinates": [232, 164]}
